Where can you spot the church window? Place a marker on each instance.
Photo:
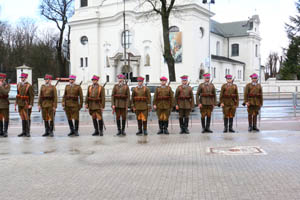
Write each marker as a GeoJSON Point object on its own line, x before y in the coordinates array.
{"type": "Point", "coordinates": [83, 3]}
{"type": "Point", "coordinates": [84, 40]}
{"type": "Point", "coordinates": [147, 60]}
{"type": "Point", "coordinates": [126, 39]}
{"type": "Point", "coordinates": [218, 48]}
{"type": "Point", "coordinates": [214, 72]}
{"type": "Point", "coordinates": [256, 50]}
{"type": "Point", "coordinates": [174, 29]}
{"type": "Point", "coordinates": [235, 50]}
{"type": "Point", "coordinates": [81, 62]}
{"type": "Point", "coordinates": [147, 77]}
{"type": "Point", "coordinates": [86, 61]}
{"type": "Point", "coordinates": [107, 78]}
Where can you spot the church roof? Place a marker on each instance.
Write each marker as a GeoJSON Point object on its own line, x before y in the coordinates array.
{"type": "Point", "coordinates": [231, 29]}
{"type": "Point", "coordinates": [222, 58]}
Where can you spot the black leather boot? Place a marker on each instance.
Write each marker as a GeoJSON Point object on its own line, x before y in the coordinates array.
{"type": "Point", "coordinates": [207, 128]}
{"type": "Point", "coordinates": [230, 125]}
{"type": "Point", "coordinates": [255, 123]}
{"type": "Point", "coordinates": [23, 129]}
{"type": "Point", "coordinates": [250, 128]}
{"type": "Point", "coordinates": [225, 125]}
{"type": "Point", "coordinates": [145, 128]}
{"type": "Point", "coordinates": [165, 127]}
{"type": "Point", "coordinates": [101, 125]}
{"type": "Point", "coordinates": [182, 129]}
{"type": "Point", "coordinates": [160, 124]}
{"type": "Point", "coordinates": [71, 128]}
{"type": "Point", "coordinates": [140, 131]}
{"type": "Point", "coordinates": [203, 125]}
{"type": "Point", "coordinates": [5, 128]}
{"type": "Point", "coordinates": [51, 129]}
{"type": "Point", "coordinates": [27, 130]}
{"type": "Point", "coordinates": [46, 128]}
{"type": "Point", "coordinates": [96, 132]}
{"type": "Point", "coordinates": [123, 127]}
{"type": "Point", "coordinates": [76, 128]}
{"type": "Point", "coordinates": [1, 127]}
{"type": "Point", "coordinates": [119, 127]}
{"type": "Point", "coordinates": [186, 125]}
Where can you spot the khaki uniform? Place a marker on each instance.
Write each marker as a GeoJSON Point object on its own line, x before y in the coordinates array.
{"type": "Point", "coordinates": [164, 101]}
{"type": "Point", "coordinates": [141, 101]}
{"type": "Point", "coordinates": [206, 95]}
{"type": "Point", "coordinates": [254, 96]}
{"type": "Point", "coordinates": [95, 99]}
{"type": "Point", "coordinates": [184, 99]}
{"type": "Point", "coordinates": [25, 98]}
{"type": "Point", "coordinates": [72, 101]}
{"type": "Point", "coordinates": [47, 101]}
{"type": "Point", "coordinates": [4, 102]}
{"type": "Point", "coordinates": [230, 98]}
{"type": "Point", "coordinates": [120, 98]}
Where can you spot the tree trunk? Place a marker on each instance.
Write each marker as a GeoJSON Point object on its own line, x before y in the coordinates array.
{"type": "Point", "coordinates": [167, 49]}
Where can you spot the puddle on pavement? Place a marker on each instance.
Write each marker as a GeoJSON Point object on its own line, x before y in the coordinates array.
{"type": "Point", "coordinates": [48, 151]}
{"type": "Point", "coordinates": [273, 139]}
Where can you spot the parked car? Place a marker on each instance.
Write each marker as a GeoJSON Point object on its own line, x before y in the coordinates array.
{"type": "Point", "coordinates": [13, 91]}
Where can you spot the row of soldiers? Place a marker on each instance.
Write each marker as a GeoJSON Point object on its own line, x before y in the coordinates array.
{"type": "Point", "coordinates": [163, 102]}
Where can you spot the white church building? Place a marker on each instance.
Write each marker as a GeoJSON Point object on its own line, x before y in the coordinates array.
{"type": "Point", "coordinates": [97, 44]}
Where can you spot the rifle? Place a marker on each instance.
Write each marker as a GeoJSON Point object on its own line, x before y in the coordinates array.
{"type": "Point", "coordinates": [171, 109]}
{"type": "Point", "coordinates": [102, 113]}
{"type": "Point", "coordinates": [126, 82]}
{"type": "Point", "coordinates": [54, 111]}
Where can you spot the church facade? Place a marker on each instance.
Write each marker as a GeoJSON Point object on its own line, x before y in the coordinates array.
{"type": "Point", "coordinates": [97, 42]}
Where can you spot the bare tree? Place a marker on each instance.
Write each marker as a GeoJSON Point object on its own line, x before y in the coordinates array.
{"type": "Point", "coordinates": [59, 11]}
{"type": "Point", "coordinates": [164, 9]}
{"type": "Point", "coordinates": [272, 65]}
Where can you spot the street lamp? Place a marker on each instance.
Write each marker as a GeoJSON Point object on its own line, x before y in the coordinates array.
{"type": "Point", "coordinates": [209, 53]}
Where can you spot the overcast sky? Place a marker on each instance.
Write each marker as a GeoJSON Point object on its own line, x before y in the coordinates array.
{"type": "Point", "coordinates": [273, 15]}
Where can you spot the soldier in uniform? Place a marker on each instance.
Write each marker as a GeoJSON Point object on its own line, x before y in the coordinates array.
{"type": "Point", "coordinates": [253, 98]}
{"type": "Point", "coordinates": [72, 103]}
{"type": "Point", "coordinates": [4, 105]}
{"type": "Point", "coordinates": [141, 105]}
{"type": "Point", "coordinates": [48, 103]}
{"type": "Point", "coordinates": [229, 101]}
{"type": "Point", "coordinates": [95, 102]}
{"type": "Point", "coordinates": [206, 100]}
{"type": "Point", "coordinates": [120, 99]}
{"type": "Point", "coordinates": [163, 103]}
{"type": "Point", "coordinates": [24, 100]}
{"type": "Point", "coordinates": [184, 100]}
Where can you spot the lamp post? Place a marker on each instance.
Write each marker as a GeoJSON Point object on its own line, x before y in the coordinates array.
{"type": "Point", "coordinates": [209, 53]}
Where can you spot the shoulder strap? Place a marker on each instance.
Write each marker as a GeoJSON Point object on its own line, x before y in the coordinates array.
{"type": "Point", "coordinates": [90, 90]}
{"type": "Point", "coordinates": [99, 90]}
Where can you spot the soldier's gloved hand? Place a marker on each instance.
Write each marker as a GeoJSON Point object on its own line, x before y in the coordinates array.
{"type": "Point", "coordinates": [154, 107]}
{"type": "Point", "coordinates": [200, 106]}
{"type": "Point", "coordinates": [39, 108]}
{"type": "Point", "coordinates": [29, 106]}
{"type": "Point", "coordinates": [222, 104]}
{"type": "Point", "coordinates": [248, 104]}
{"type": "Point", "coordinates": [177, 107]}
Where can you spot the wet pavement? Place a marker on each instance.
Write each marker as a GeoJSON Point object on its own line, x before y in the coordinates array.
{"type": "Point", "coordinates": [155, 166]}
{"type": "Point", "coordinates": [272, 109]}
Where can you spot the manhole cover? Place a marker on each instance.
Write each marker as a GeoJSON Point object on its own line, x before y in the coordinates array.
{"type": "Point", "coordinates": [237, 150]}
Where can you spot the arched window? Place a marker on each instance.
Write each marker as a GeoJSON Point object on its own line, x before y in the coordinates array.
{"type": "Point", "coordinates": [218, 48]}
{"type": "Point", "coordinates": [256, 50]}
{"type": "Point", "coordinates": [201, 30]}
{"type": "Point", "coordinates": [174, 29]}
{"type": "Point", "coordinates": [235, 50]}
{"type": "Point", "coordinates": [147, 56]}
{"type": "Point", "coordinates": [126, 39]}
